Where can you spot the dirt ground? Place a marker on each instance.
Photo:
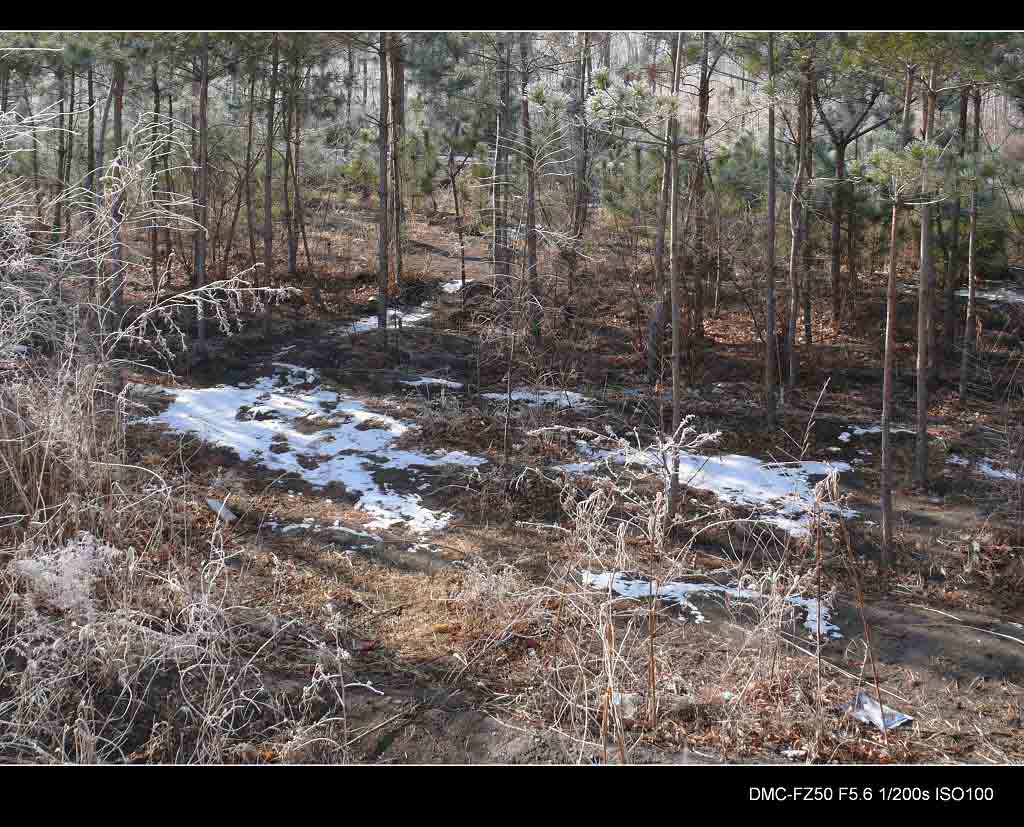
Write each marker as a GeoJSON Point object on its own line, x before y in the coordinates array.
{"type": "Point", "coordinates": [457, 679]}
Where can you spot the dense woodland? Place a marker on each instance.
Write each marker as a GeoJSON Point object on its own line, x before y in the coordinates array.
{"type": "Point", "coordinates": [511, 396]}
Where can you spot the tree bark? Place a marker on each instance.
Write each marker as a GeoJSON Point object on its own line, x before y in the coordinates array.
{"type": "Point", "coordinates": [676, 250]}
{"type": "Point", "coordinates": [955, 264]}
{"type": "Point", "coordinates": [397, 130]}
{"type": "Point", "coordinates": [770, 356]}
{"type": "Point", "coordinates": [534, 309]}
{"type": "Point", "coordinates": [924, 292]}
{"type": "Point", "coordinates": [117, 268]}
{"type": "Point", "coordinates": [836, 245]}
{"type": "Point", "coordinates": [656, 325]}
{"type": "Point", "coordinates": [154, 264]}
{"type": "Point", "coordinates": [382, 194]}
{"type": "Point", "coordinates": [890, 345]}
{"type": "Point", "coordinates": [268, 186]}
{"type": "Point", "coordinates": [204, 179]}
{"type": "Point", "coordinates": [970, 343]}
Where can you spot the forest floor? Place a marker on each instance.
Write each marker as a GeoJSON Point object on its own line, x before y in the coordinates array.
{"type": "Point", "coordinates": [388, 502]}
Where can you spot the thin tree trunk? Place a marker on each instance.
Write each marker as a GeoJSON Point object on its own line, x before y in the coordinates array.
{"type": "Point", "coordinates": [836, 245]}
{"type": "Point", "coordinates": [908, 96]}
{"type": "Point", "coordinates": [890, 346]}
{"type": "Point", "coordinates": [59, 201]}
{"type": "Point", "coordinates": [204, 179]}
{"type": "Point", "coordinates": [496, 180]}
{"type": "Point", "coordinates": [268, 171]}
{"type": "Point", "coordinates": [970, 343]}
{"type": "Point", "coordinates": [851, 248]}
{"type": "Point", "coordinates": [351, 85]}
{"type": "Point", "coordinates": [70, 152]}
{"type": "Point", "coordinates": [700, 269]}
{"type": "Point", "coordinates": [288, 215]}
{"type": "Point", "coordinates": [248, 173]}
{"type": "Point", "coordinates": [453, 178]}
{"type": "Point", "coordinates": [397, 129]}
{"type": "Point", "coordinates": [924, 312]}
{"type": "Point", "coordinates": [796, 214]}
{"type": "Point", "coordinates": [675, 241]}
{"type": "Point", "coordinates": [154, 265]}
{"type": "Point", "coordinates": [533, 300]}
{"type": "Point", "coordinates": [382, 193]}
{"type": "Point", "coordinates": [806, 147]}
{"type": "Point", "coordinates": [770, 355]}
{"type": "Point", "coordinates": [117, 269]}
{"type": "Point", "coordinates": [656, 325]}
{"type": "Point", "coordinates": [955, 264]}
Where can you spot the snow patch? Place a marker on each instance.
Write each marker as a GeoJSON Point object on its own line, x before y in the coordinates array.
{"type": "Point", "coordinates": [340, 441]}
{"type": "Point", "coordinates": [432, 380]}
{"type": "Point", "coordinates": [780, 493]}
{"type": "Point", "coordinates": [984, 467]}
{"type": "Point", "coordinates": [817, 619]}
{"type": "Point", "coordinates": [560, 399]}
{"type": "Point", "coordinates": [406, 317]}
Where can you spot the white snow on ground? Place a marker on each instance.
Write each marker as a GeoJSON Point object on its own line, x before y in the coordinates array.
{"type": "Point", "coordinates": [407, 317]}
{"type": "Point", "coordinates": [983, 467]}
{"type": "Point", "coordinates": [1000, 294]}
{"type": "Point", "coordinates": [560, 399]}
{"type": "Point", "coordinates": [452, 286]}
{"type": "Point", "coordinates": [680, 593]}
{"type": "Point", "coordinates": [334, 445]}
{"type": "Point", "coordinates": [874, 429]}
{"type": "Point", "coordinates": [431, 380]}
{"type": "Point", "coordinates": [780, 493]}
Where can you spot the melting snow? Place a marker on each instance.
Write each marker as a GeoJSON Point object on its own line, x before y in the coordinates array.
{"type": "Point", "coordinates": [560, 399]}
{"type": "Point", "coordinates": [452, 286]}
{"type": "Point", "coordinates": [1000, 294]}
{"type": "Point", "coordinates": [332, 444]}
{"type": "Point", "coordinates": [873, 429]}
{"type": "Point", "coordinates": [983, 467]}
{"type": "Point", "coordinates": [431, 380]}
{"type": "Point", "coordinates": [680, 593]}
{"type": "Point", "coordinates": [406, 317]}
{"type": "Point", "coordinates": [781, 493]}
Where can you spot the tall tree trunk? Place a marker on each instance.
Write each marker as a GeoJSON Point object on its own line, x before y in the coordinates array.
{"type": "Point", "coordinates": [382, 193]}
{"type": "Point", "coordinates": [924, 293]}
{"type": "Point", "coordinates": [533, 300]}
{"type": "Point", "coordinates": [836, 245]}
{"type": "Point", "coordinates": [701, 269]}
{"type": "Point", "coordinates": [797, 228]}
{"type": "Point", "coordinates": [581, 189]}
{"type": "Point", "coordinates": [351, 85]}
{"type": "Point", "coordinates": [806, 151]}
{"type": "Point", "coordinates": [117, 268]}
{"type": "Point", "coordinates": [288, 214]}
{"type": "Point", "coordinates": [770, 355]}
{"type": "Point", "coordinates": [675, 242]}
{"type": "Point", "coordinates": [154, 264]}
{"type": "Point", "coordinates": [268, 188]}
{"type": "Point", "coordinates": [851, 240]}
{"type": "Point", "coordinates": [499, 148]}
{"type": "Point", "coordinates": [656, 324]}
{"type": "Point", "coordinates": [397, 130]}
{"type": "Point", "coordinates": [970, 343]}
{"type": "Point", "coordinates": [70, 152]}
{"type": "Point", "coordinates": [59, 201]}
{"type": "Point", "coordinates": [953, 273]}
{"type": "Point", "coordinates": [204, 179]}
{"type": "Point", "coordinates": [890, 346]}
{"type": "Point", "coordinates": [249, 217]}
{"type": "Point", "coordinates": [908, 97]}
